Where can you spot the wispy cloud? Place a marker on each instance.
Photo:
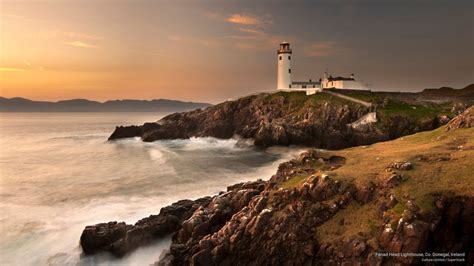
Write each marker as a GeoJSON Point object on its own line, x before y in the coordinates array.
{"type": "Point", "coordinates": [15, 16]}
{"type": "Point", "coordinates": [244, 19]}
{"type": "Point", "coordinates": [11, 69]}
{"type": "Point", "coordinates": [27, 62]}
{"type": "Point", "coordinates": [80, 44]}
{"type": "Point", "coordinates": [321, 49]}
{"type": "Point", "coordinates": [80, 35]}
{"type": "Point", "coordinates": [249, 30]}
{"type": "Point", "coordinates": [52, 34]}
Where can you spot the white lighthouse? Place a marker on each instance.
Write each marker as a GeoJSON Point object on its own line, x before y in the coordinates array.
{"type": "Point", "coordinates": [284, 67]}
{"type": "Point", "coordinates": [284, 82]}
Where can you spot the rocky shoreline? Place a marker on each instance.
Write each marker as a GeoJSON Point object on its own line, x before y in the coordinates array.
{"type": "Point", "coordinates": [322, 121]}
{"type": "Point", "coordinates": [278, 221]}
{"type": "Point", "coordinates": [258, 223]}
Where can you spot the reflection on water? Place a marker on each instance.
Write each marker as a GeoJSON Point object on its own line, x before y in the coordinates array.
{"type": "Point", "coordinates": [58, 173]}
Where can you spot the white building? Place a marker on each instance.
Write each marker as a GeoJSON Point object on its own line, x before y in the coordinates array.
{"type": "Point", "coordinates": [330, 82]}
{"type": "Point", "coordinates": [285, 83]}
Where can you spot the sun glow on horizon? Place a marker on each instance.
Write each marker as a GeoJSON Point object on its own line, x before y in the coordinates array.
{"type": "Point", "coordinates": [51, 50]}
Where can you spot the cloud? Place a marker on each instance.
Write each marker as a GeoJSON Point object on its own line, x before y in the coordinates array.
{"type": "Point", "coordinates": [27, 62]}
{"type": "Point", "coordinates": [80, 35]}
{"type": "Point", "coordinates": [243, 19]}
{"type": "Point", "coordinates": [252, 31]}
{"type": "Point", "coordinates": [80, 44]}
{"type": "Point", "coordinates": [11, 69]}
{"type": "Point", "coordinates": [51, 34]}
{"type": "Point", "coordinates": [321, 49]}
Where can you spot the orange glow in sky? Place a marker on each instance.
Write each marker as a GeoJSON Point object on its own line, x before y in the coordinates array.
{"type": "Point", "coordinates": [101, 50]}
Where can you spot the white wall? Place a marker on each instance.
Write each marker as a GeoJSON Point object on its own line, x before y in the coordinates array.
{"type": "Point", "coordinates": [284, 77]}
{"type": "Point", "coordinates": [299, 86]}
{"type": "Point", "coordinates": [344, 84]}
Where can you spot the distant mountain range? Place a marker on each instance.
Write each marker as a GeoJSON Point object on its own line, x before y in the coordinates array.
{"type": "Point", "coordinates": [18, 104]}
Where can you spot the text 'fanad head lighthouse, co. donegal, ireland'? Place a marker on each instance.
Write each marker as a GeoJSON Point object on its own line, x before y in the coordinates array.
{"type": "Point", "coordinates": [285, 83]}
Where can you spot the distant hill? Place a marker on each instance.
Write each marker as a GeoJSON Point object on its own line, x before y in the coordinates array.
{"type": "Point", "coordinates": [467, 91]}
{"type": "Point", "coordinates": [18, 104]}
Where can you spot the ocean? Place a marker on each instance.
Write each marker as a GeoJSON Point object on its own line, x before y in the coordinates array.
{"type": "Point", "coordinates": [58, 173]}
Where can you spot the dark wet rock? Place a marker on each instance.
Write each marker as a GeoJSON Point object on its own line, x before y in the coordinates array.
{"type": "Point", "coordinates": [120, 238]}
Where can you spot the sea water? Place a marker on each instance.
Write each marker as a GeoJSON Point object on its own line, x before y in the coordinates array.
{"type": "Point", "coordinates": [58, 173]}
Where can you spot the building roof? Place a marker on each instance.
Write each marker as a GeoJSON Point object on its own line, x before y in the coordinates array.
{"type": "Point", "coordinates": [339, 78]}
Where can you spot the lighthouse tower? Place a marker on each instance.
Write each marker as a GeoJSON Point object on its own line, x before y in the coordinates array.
{"type": "Point", "coordinates": [284, 66]}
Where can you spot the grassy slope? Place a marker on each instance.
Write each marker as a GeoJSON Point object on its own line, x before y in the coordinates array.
{"type": "Point", "coordinates": [442, 164]}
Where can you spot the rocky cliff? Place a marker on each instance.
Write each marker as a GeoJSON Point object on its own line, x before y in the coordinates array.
{"type": "Point", "coordinates": [408, 196]}
{"type": "Point", "coordinates": [321, 120]}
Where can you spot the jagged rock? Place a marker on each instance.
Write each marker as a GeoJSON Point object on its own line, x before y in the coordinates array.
{"type": "Point", "coordinates": [120, 238]}
{"type": "Point", "coordinates": [279, 120]}
{"type": "Point", "coordinates": [401, 165]}
{"type": "Point", "coordinates": [392, 180]}
{"type": "Point", "coordinates": [464, 120]}
{"type": "Point", "coordinates": [392, 201]}
{"type": "Point", "coordinates": [365, 193]}
{"type": "Point", "coordinates": [412, 206]}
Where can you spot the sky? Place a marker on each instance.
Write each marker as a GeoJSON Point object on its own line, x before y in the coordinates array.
{"type": "Point", "coordinates": [217, 50]}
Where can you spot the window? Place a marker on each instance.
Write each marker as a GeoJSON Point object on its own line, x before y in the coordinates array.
{"type": "Point", "coordinates": [289, 86]}
{"type": "Point", "coordinates": [289, 70]}
{"type": "Point", "coordinates": [279, 58]}
{"type": "Point", "coordinates": [289, 57]}
{"type": "Point", "coordinates": [304, 86]}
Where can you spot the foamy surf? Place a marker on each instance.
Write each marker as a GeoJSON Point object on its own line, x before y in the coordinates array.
{"type": "Point", "coordinates": [51, 189]}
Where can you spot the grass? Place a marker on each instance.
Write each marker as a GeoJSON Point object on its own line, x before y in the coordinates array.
{"type": "Point", "coordinates": [443, 169]}
{"type": "Point", "coordinates": [295, 180]}
{"type": "Point", "coordinates": [417, 111]}
{"type": "Point", "coordinates": [354, 223]}
{"type": "Point", "coordinates": [298, 100]}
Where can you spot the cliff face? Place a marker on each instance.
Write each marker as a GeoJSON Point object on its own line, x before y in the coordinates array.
{"type": "Point", "coordinates": [320, 120]}
{"type": "Point", "coordinates": [410, 195]}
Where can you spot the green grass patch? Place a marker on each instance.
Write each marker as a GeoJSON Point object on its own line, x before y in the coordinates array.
{"type": "Point", "coordinates": [416, 111]}
{"type": "Point", "coordinates": [295, 180]}
{"type": "Point", "coordinates": [398, 209]}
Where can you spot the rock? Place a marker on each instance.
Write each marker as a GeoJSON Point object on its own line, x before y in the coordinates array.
{"type": "Point", "coordinates": [126, 132]}
{"type": "Point", "coordinates": [95, 237]}
{"type": "Point", "coordinates": [364, 194]}
{"type": "Point", "coordinates": [202, 258]}
{"type": "Point", "coordinates": [393, 180]}
{"type": "Point", "coordinates": [464, 120]}
{"type": "Point", "coordinates": [412, 206]}
{"type": "Point", "coordinates": [392, 201]}
{"type": "Point", "coordinates": [401, 165]}
{"type": "Point", "coordinates": [120, 238]}
{"type": "Point", "coordinates": [408, 215]}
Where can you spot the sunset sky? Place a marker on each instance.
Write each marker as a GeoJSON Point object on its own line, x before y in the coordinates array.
{"type": "Point", "coordinates": [216, 50]}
